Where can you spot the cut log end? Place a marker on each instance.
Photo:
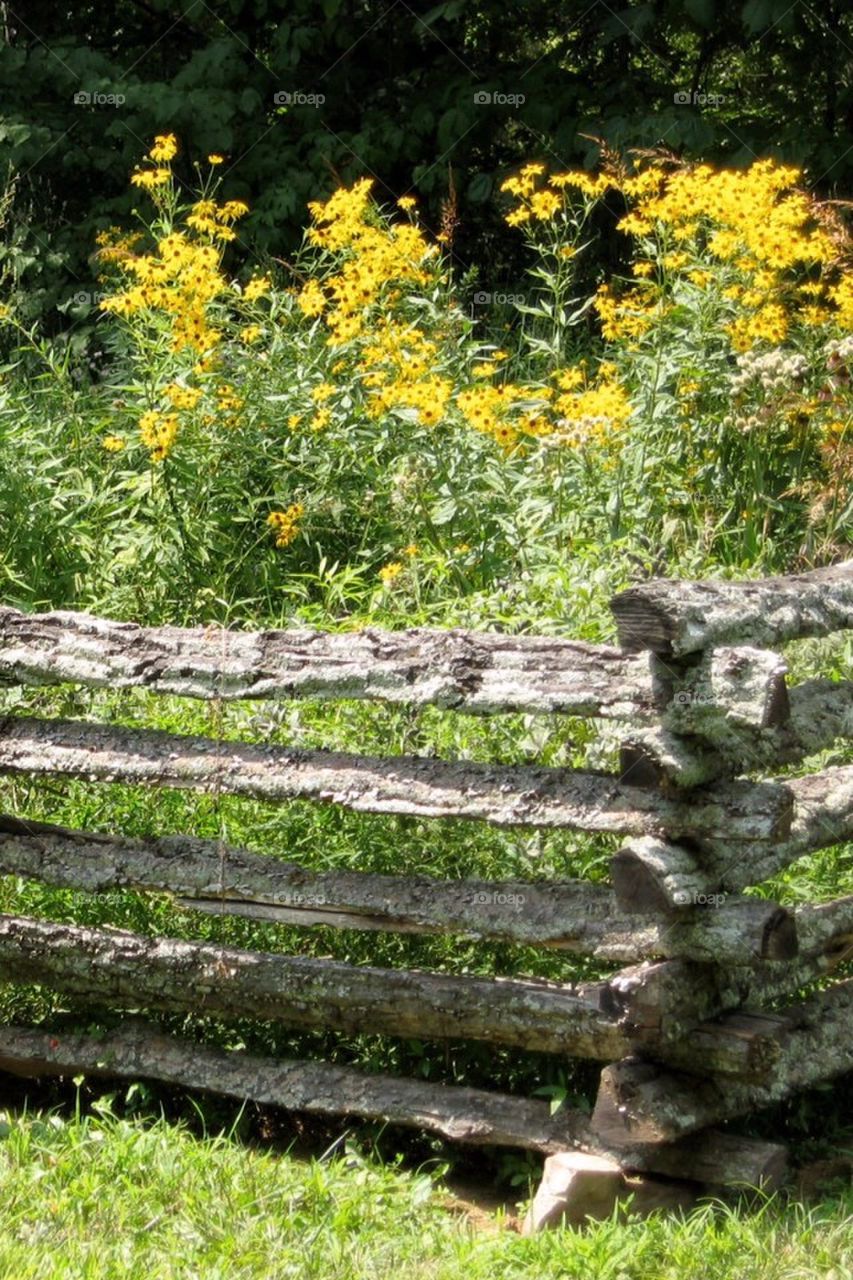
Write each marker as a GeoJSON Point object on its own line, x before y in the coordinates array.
{"type": "Point", "coordinates": [616, 1123]}
{"type": "Point", "coordinates": [674, 617]}
{"type": "Point", "coordinates": [780, 937]}
{"type": "Point", "coordinates": [637, 885]}
{"type": "Point", "coordinates": [637, 768]}
{"type": "Point", "coordinates": [641, 623]}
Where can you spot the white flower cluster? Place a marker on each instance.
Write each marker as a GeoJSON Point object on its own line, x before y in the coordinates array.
{"type": "Point", "coordinates": [575, 431]}
{"type": "Point", "coordinates": [775, 371]}
{"type": "Point", "coordinates": [838, 351]}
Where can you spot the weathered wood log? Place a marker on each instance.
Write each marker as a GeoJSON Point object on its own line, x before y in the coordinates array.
{"type": "Point", "coordinates": [99, 965]}
{"type": "Point", "coordinates": [675, 618]}
{"type": "Point", "coordinates": [745, 683]}
{"type": "Point", "coordinates": [651, 875]}
{"type": "Point", "coordinates": [662, 999]}
{"type": "Point", "coordinates": [504, 795]}
{"type": "Point", "coordinates": [168, 974]}
{"type": "Point", "coordinates": [695, 992]}
{"type": "Point", "coordinates": [821, 712]}
{"type": "Point", "coordinates": [826, 926]}
{"type": "Point", "coordinates": [823, 816]}
{"type": "Point", "coordinates": [654, 757]}
{"type": "Point", "coordinates": [458, 1113]}
{"type": "Point", "coordinates": [639, 1103]}
{"type": "Point", "coordinates": [473, 1116]}
{"type": "Point", "coordinates": [655, 875]}
{"type": "Point", "coordinates": [682, 1012]}
{"type": "Point", "coordinates": [754, 1040]}
{"type": "Point", "coordinates": [466, 670]}
{"type": "Point", "coordinates": [220, 879]}
{"type": "Point", "coordinates": [476, 672]}
{"type": "Point", "coordinates": [715, 1157]}
{"type": "Point", "coordinates": [744, 930]}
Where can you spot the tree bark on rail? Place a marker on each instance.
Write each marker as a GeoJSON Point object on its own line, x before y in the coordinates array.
{"type": "Point", "coordinates": [474, 1116]}
{"type": "Point", "coordinates": [109, 966]}
{"type": "Point", "coordinates": [221, 879]}
{"type": "Point", "coordinates": [675, 618]}
{"type": "Point", "coordinates": [651, 870]}
{"type": "Point", "coordinates": [641, 1103]}
{"type": "Point", "coordinates": [471, 671]}
{"type": "Point", "coordinates": [820, 712]}
{"type": "Point", "coordinates": [823, 816]}
{"type": "Point", "coordinates": [105, 965]}
{"type": "Point", "coordinates": [504, 795]}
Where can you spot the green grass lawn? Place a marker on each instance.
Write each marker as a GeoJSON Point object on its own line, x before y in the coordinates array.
{"type": "Point", "coordinates": [103, 1197]}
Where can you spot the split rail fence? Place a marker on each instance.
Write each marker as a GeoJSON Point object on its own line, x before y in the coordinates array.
{"type": "Point", "coordinates": [707, 1021]}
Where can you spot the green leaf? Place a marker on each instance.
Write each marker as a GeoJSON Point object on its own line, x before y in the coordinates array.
{"type": "Point", "coordinates": [480, 188]}
{"type": "Point", "coordinates": [701, 11]}
{"type": "Point", "coordinates": [757, 15]}
{"type": "Point", "coordinates": [444, 511]}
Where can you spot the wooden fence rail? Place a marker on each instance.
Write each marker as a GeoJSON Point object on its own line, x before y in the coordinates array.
{"type": "Point", "coordinates": [703, 1023]}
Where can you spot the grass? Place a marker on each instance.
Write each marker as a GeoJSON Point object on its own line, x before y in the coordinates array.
{"type": "Point", "coordinates": [102, 1196]}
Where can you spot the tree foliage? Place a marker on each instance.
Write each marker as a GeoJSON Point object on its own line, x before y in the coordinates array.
{"type": "Point", "coordinates": [436, 98]}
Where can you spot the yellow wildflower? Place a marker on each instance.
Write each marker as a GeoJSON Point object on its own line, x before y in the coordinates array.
{"type": "Point", "coordinates": [285, 524]}
{"type": "Point", "coordinates": [158, 432]}
{"type": "Point", "coordinates": [257, 287]}
{"type": "Point", "coordinates": [232, 210]}
{"type": "Point", "coordinates": [390, 571]}
{"type": "Point", "coordinates": [165, 148]}
{"type": "Point", "coordinates": [544, 204]}
{"type": "Point", "coordinates": [149, 178]}
{"type": "Point", "coordinates": [182, 397]}
{"type": "Point", "coordinates": [569, 379]}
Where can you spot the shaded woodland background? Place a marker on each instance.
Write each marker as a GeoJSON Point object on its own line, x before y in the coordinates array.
{"type": "Point", "coordinates": [440, 100]}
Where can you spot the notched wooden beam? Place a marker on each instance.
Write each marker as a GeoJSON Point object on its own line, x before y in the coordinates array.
{"type": "Point", "coordinates": [639, 1102]}
{"type": "Point", "coordinates": [674, 618]}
